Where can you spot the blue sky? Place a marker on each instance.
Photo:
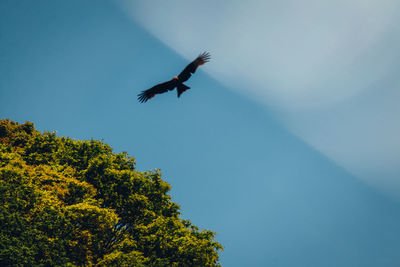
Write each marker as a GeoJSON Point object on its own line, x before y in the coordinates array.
{"type": "Point", "coordinates": [287, 144]}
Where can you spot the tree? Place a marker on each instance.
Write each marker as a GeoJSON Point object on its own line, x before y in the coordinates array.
{"type": "Point", "coordinates": [71, 202]}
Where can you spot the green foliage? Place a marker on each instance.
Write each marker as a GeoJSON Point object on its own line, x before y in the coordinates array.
{"type": "Point", "coordinates": [66, 202]}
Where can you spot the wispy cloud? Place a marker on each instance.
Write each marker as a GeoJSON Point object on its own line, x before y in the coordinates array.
{"type": "Point", "coordinates": [320, 64]}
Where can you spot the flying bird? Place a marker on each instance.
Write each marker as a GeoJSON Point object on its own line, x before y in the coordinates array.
{"type": "Point", "coordinates": [177, 81]}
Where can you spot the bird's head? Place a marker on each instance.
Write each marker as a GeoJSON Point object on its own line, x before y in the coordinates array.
{"type": "Point", "coordinates": [175, 78]}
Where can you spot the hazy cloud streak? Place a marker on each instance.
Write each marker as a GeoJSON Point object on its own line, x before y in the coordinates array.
{"type": "Point", "coordinates": [327, 67]}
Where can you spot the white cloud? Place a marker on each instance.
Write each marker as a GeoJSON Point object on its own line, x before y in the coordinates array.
{"type": "Point", "coordinates": [312, 61]}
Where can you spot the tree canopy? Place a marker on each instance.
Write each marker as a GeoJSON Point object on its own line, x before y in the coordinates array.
{"type": "Point", "coordinates": [68, 202]}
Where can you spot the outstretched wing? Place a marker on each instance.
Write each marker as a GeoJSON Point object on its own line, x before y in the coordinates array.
{"type": "Point", "coordinates": [155, 90]}
{"type": "Point", "coordinates": [191, 68]}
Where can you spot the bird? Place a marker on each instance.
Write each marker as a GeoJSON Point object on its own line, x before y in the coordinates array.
{"type": "Point", "coordinates": [177, 81]}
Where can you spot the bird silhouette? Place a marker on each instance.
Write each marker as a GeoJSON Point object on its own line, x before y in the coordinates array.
{"type": "Point", "coordinates": [175, 82]}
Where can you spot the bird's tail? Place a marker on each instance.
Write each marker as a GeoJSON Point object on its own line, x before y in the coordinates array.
{"type": "Point", "coordinates": [182, 88]}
